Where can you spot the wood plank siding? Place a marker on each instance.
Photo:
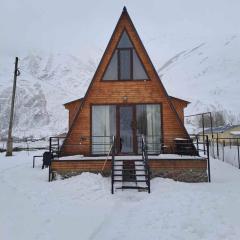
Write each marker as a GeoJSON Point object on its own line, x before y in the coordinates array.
{"type": "Point", "coordinates": [96, 165]}
{"type": "Point", "coordinates": [72, 107]}
{"type": "Point", "coordinates": [124, 92]}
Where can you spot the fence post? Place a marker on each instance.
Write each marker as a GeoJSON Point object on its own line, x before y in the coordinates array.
{"type": "Point", "coordinates": [217, 147]}
{"type": "Point", "coordinates": [197, 145]}
{"type": "Point", "coordinates": [50, 144]}
{"type": "Point", "coordinates": [204, 144]}
{"type": "Point", "coordinates": [58, 148]}
{"type": "Point", "coordinates": [238, 154]}
{"type": "Point", "coordinates": [49, 173]}
{"type": "Point", "coordinates": [204, 149]}
{"type": "Point", "coordinates": [208, 161]}
{"type": "Point", "coordinates": [223, 145]}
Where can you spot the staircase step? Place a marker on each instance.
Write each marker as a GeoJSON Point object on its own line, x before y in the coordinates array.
{"type": "Point", "coordinates": [132, 187]}
{"type": "Point", "coordinates": [129, 169]}
{"type": "Point", "coordinates": [137, 175]}
{"type": "Point", "coordinates": [132, 160]}
{"type": "Point", "coordinates": [136, 165]}
{"type": "Point", "coordinates": [135, 181]}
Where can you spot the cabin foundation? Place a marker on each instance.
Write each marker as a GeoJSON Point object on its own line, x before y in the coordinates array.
{"type": "Point", "coordinates": [184, 169]}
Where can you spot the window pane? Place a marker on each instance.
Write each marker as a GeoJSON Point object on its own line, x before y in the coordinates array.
{"type": "Point", "coordinates": [112, 69]}
{"type": "Point", "coordinates": [103, 127]}
{"type": "Point", "coordinates": [125, 64]}
{"type": "Point", "coordinates": [125, 41]}
{"type": "Point", "coordinates": [138, 70]}
{"type": "Point", "coordinates": [141, 120]}
{"type": "Point", "coordinates": [126, 119]}
{"type": "Point", "coordinates": [153, 128]}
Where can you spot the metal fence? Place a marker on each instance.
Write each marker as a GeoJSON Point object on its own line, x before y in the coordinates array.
{"type": "Point", "coordinates": [226, 149]}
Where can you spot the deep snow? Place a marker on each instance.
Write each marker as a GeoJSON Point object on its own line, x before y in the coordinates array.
{"type": "Point", "coordinates": [82, 207]}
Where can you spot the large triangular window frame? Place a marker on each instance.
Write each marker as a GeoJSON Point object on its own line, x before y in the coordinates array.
{"type": "Point", "coordinates": [134, 61]}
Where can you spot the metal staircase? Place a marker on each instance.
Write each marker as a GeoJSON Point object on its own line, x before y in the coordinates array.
{"type": "Point", "coordinates": [131, 173]}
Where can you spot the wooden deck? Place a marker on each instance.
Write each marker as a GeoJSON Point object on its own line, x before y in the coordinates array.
{"type": "Point", "coordinates": [164, 165]}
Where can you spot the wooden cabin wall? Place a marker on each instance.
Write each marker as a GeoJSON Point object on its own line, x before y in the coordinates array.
{"type": "Point", "coordinates": [72, 108]}
{"type": "Point", "coordinates": [107, 92]}
{"type": "Point", "coordinates": [179, 106]}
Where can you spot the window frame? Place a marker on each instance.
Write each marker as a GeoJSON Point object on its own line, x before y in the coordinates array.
{"type": "Point", "coordinates": [130, 50]}
{"type": "Point", "coordinates": [117, 122]}
{"type": "Point", "coordinates": [131, 63]}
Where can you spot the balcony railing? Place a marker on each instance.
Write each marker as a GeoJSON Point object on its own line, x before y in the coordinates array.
{"type": "Point", "coordinates": [155, 145]}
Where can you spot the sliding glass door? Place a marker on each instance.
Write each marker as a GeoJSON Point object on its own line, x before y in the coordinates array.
{"type": "Point", "coordinates": [149, 124]}
{"type": "Point", "coordinates": [103, 128]}
{"type": "Point", "coordinates": [127, 123]}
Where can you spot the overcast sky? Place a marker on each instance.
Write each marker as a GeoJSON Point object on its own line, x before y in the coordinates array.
{"type": "Point", "coordinates": [83, 28]}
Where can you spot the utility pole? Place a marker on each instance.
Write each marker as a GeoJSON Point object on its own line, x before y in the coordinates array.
{"type": "Point", "coordinates": [10, 140]}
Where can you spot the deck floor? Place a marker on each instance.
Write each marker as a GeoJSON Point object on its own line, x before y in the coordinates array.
{"type": "Point", "coordinates": [134, 157]}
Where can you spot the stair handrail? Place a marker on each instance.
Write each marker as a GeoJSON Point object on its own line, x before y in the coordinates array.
{"type": "Point", "coordinates": [145, 160]}
{"type": "Point", "coordinates": [112, 163]}
{"type": "Point", "coordinates": [109, 152]}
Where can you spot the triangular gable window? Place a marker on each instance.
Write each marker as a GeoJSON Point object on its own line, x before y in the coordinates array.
{"type": "Point", "coordinates": [125, 63]}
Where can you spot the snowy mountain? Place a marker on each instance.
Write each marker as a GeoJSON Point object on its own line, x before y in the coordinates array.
{"type": "Point", "coordinates": [43, 86]}
{"type": "Point", "coordinates": [207, 74]}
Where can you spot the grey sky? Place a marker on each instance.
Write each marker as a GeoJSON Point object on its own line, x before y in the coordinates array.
{"type": "Point", "coordinates": [83, 28]}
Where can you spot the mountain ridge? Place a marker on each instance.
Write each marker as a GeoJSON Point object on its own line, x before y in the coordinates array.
{"type": "Point", "coordinates": [206, 74]}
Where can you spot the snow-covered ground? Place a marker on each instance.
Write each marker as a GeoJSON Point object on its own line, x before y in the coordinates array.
{"type": "Point", "coordinates": [229, 154]}
{"type": "Point", "coordinates": [37, 144]}
{"type": "Point", "coordinates": [82, 207]}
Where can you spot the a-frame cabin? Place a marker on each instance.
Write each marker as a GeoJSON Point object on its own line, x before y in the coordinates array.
{"type": "Point", "coordinates": [126, 101]}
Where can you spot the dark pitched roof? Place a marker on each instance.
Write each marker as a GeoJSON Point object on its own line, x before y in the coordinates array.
{"type": "Point", "coordinates": [76, 100]}
{"type": "Point", "coordinates": [180, 99]}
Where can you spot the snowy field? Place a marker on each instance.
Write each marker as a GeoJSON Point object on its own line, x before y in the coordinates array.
{"type": "Point", "coordinates": [227, 154]}
{"type": "Point", "coordinates": [37, 144]}
{"type": "Point", "coordinates": [82, 207]}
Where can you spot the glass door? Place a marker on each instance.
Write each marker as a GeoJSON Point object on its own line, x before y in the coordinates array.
{"type": "Point", "coordinates": [148, 117]}
{"type": "Point", "coordinates": [126, 129]}
{"type": "Point", "coordinates": [103, 128]}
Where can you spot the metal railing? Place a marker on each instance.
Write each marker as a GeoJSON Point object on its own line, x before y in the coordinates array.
{"type": "Point", "coordinates": [146, 164]}
{"type": "Point", "coordinates": [226, 149]}
{"type": "Point", "coordinates": [34, 159]}
{"type": "Point", "coordinates": [112, 148]}
{"type": "Point", "coordinates": [202, 145]}
{"type": "Point", "coordinates": [100, 145]}
{"type": "Point", "coordinates": [154, 144]}
{"type": "Point", "coordinates": [95, 145]}
{"type": "Point", "coordinates": [84, 142]}
{"type": "Point", "coordinates": [112, 164]}
{"type": "Point", "coordinates": [55, 144]}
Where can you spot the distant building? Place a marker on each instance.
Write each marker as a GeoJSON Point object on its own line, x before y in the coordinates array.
{"type": "Point", "coordinates": [227, 131]}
